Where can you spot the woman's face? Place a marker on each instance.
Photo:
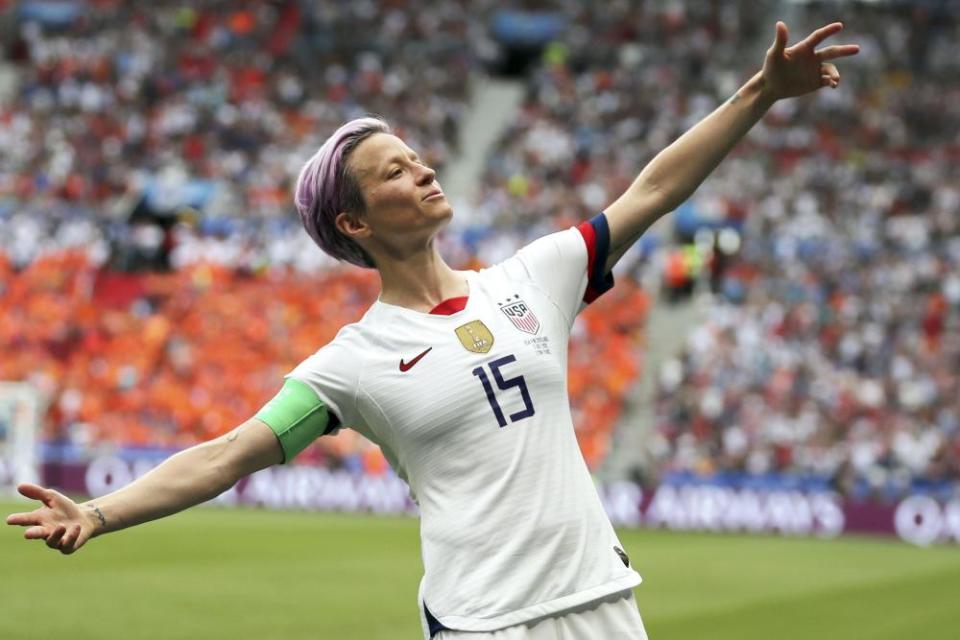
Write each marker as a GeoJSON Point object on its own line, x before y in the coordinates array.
{"type": "Point", "coordinates": [404, 202]}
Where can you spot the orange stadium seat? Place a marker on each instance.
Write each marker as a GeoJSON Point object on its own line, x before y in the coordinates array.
{"type": "Point", "coordinates": [173, 359]}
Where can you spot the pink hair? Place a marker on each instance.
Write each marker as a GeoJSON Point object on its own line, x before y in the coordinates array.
{"type": "Point", "coordinates": [325, 188]}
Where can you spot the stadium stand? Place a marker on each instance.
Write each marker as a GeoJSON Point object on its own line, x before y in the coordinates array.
{"type": "Point", "coordinates": [171, 139]}
{"type": "Point", "coordinates": [174, 358]}
{"type": "Point", "coordinates": [830, 353]}
{"type": "Point", "coordinates": [829, 357]}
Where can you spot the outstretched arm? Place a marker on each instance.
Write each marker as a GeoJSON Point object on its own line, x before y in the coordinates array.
{"type": "Point", "coordinates": [190, 477]}
{"type": "Point", "coordinates": [676, 172]}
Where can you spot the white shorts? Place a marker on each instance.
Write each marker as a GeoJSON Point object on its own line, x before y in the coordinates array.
{"type": "Point", "coordinates": [615, 617]}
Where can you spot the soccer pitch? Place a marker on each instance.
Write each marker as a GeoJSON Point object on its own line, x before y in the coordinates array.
{"type": "Point", "coordinates": [212, 573]}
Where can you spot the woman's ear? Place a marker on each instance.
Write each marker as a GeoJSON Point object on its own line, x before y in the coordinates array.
{"type": "Point", "coordinates": [352, 226]}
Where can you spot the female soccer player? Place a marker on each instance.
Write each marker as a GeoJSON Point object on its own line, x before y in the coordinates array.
{"type": "Point", "coordinates": [460, 378]}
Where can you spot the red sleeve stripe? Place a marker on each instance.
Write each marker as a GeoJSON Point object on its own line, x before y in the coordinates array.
{"type": "Point", "coordinates": [590, 239]}
{"type": "Point", "coordinates": [596, 235]}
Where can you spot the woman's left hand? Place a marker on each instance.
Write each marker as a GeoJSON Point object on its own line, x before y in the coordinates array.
{"type": "Point", "coordinates": [802, 68]}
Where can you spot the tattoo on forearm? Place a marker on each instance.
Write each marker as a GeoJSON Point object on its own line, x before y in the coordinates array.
{"type": "Point", "coordinates": [233, 435]}
{"type": "Point", "coordinates": [96, 510]}
{"type": "Point", "coordinates": [735, 98]}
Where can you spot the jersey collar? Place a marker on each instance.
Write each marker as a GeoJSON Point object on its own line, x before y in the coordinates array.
{"type": "Point", "coordinates": [450, 306]}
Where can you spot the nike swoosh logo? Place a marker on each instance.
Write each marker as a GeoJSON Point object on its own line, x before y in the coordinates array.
{"type": "Point", "coordinates": [406, 366]}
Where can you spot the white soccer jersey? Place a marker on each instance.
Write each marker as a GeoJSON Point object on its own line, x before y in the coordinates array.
{"type": "Point", "coordinates": [471, 409]}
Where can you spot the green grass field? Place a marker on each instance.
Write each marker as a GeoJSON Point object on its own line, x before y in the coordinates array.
{"type": "Point", "coordinates": [213, 573]}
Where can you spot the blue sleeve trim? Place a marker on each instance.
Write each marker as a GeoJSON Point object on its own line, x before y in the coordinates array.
{"type": "Point", "coordinates": [599, 279]}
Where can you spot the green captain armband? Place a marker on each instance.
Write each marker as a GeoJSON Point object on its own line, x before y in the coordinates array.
{"type": "Point", "coordinates": [297, 416]}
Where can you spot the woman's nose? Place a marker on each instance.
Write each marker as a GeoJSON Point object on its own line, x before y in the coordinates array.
{"type": "Point", "coordinates": [427, 175]}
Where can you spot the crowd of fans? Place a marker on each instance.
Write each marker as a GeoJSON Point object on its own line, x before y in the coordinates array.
{"type": "Point", "coordinates": [202, 117]}
{"type": "Point", "coordinates": [830, 351]}
{"type": "Point", "coordinates": [626, 80]}
{"type": "Point", "coordinates": [212, 106]}
{"type": "Point", "coordinates": [170, 359]}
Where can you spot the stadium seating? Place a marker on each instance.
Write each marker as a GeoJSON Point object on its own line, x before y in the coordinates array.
{"type": "Point", "coordinates": [181, 106]}
{"type": "Point", "coordinates": [830, 352]}
{"type": "Point", "coordinates": [171, 359]}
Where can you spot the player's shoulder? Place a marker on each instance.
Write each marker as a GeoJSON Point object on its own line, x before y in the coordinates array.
{"type": "Point", "coordinates": [347, 349]}
{"type": "Point", "coordinates": [542, 252]}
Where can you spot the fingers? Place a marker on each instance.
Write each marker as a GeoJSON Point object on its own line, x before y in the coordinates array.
{"type": "Point", "coordinates": [65, 539]}
{"type": "Point", "coordinates": [821, 34]}
{"type": "Point", "coordinates": [780, 40]}
{"type": "Point", "coordinates": [829, 76]}
{"type": "Point", "coordinates": [24, 519]}
{"type": "Point", "coordinates": [69, 539]}
{"type": "Point", "coordinates": [35, 492]}
{"type": "Point", "coordinates": [53, 540]}
{"type": "Point", "coordinates": [82, 537]}
{"type": "Point", "coordinates": [838, 51]}
{"type": "Point", "coordinates": [35, 533]}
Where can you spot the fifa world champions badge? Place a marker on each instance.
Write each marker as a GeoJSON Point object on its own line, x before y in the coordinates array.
{"type": "Point", "coordinates": [475, 337]}
{"type": "Point", "coordinates": [520, 315]}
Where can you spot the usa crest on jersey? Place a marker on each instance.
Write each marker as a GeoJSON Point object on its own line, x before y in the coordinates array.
{"type": "Point", "coordinates": [520, 315]}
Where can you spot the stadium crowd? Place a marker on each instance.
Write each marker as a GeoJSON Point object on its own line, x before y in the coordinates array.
{"type": "Point", "coordinates": [169, 359]}
{"type": "Point", "coordinates": [830, 355]}
{"type": "Point", "coordinates": [830, 351]}
{"type": "Point", "coordinates": [211, 106]}
{"type": "Point", "coordinates": [202, 117]}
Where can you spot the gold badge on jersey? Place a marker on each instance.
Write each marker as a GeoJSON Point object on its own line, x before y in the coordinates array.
{"type": "Point", "coordinates": [475, 337]}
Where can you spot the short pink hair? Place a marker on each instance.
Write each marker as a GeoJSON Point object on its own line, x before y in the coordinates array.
{"type": "Point", "coordinates": [325, 188]}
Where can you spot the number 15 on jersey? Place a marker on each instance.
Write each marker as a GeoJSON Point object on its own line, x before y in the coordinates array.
{"type": "Point", "coordinates": [504, 384]}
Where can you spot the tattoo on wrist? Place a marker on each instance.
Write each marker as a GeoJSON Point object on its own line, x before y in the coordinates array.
{"type": "Point", "coordinates": [96, 510]}
{"type": "Point", "coordinates": [735, 98]}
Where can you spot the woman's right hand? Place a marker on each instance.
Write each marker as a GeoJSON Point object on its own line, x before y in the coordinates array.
{"type": "Point", "coordinates": [60, 521]}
